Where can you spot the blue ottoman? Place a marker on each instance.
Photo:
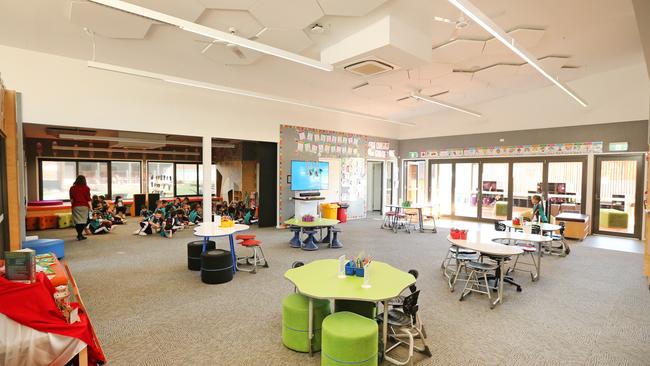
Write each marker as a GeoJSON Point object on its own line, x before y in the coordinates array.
{"type": "Point", "coordinates": [42, 246]}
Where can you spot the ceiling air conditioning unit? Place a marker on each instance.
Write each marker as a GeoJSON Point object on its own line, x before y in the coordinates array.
{"type": "Point", "coordinates": [368, 68]}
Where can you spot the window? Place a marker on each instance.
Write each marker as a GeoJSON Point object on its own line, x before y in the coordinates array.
{"type": "Point", "coordinates": [186, 176]}
{"type": "Point", "coordinates": [494, 191]}
{"type": "Point", "coordinates": [526, 182]}
{"type": "Point", "coordinates": [161, 178]}
{"type": "Point", "coordinates": [125, 178]}
{"type": "Point", "coordinates": [213, 179]}
{"type": "Point", "coordinates": [56, 179]}
{"type": "Point", "coordinates": [466, 190]}
{"type": "Point", "coordinates": [96, 174]}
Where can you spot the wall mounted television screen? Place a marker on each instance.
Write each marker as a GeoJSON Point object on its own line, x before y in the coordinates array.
{"type": "Point", "coordinates": [309, 175]}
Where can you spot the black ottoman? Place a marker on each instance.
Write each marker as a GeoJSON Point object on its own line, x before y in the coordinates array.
{"type": "Point", "coordinates": [194, 250]}
{"type": "Point", "coordinates": [216, 266]}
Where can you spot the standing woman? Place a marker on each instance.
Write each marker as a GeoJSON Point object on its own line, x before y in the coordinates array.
{"type": "Point", "coordinates": [81, 203]}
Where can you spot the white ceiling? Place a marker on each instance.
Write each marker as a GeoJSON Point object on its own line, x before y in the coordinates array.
{"type": "Point", "coordinates": [574, 39]}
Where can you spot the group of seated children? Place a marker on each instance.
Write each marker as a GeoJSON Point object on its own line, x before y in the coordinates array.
{"type": "Point", "coordinates": [169, 217]}
{"type": "Point", "coordinates": [104, 216]}
{"type": "Point", "coordinates": [237, 211]}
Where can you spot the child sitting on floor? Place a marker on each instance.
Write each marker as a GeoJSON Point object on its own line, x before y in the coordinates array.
{"type": "Point", "coordinates": [97, 225]}
{"type": "Point", "coordinates": [115, 220]}
{"type": "Point", "coordinates": [143, 226]}
{"type": "Point", "coordinates": [120, 208]}
{"type": "Point", "coordinates": [196, 215]}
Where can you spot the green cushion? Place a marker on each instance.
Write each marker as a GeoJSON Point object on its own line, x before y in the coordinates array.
{"type": "Point", "coordinates": [64, 220]}
{"type": "Point", "coordinates": [501, 208]}
{"type": "Point", "coordinates": [363, 308]}
{"type": "Point", "coordinates": [613, 218]}
{"type": "Point", "coordinates": [349, 339]}
{"type": "Point", "coordinates": [295, 322]}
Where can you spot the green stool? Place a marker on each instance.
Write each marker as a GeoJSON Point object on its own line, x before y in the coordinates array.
{"type": "Point", "coordinates": [363, 308]}
{"type": "Point", "coordinates": [295, 322]}
{"type": "Point", "coordinates": [349, 339]}
{"type": "Point", "coordinates": [64, 220]}
{"type": "Point", "coordinates": [612, 218]}
{"type": "Point", "coordinates": [501, 208]}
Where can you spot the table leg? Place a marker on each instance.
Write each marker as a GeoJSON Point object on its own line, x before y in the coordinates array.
{"type": "Point", "coordinates": [231, 239]}
{"type": "Point", "coordinates": [311, 325]}
{"type": "Point", "coordinates": [205, 243]}
{"type": "Point", "coordinates": [420, 220]}
{"type": "Point", "coordinates": [385, 328]}
{"type": "Point", "coordinates": [500, 286]}
{"type": "Point", "coordinates": [538, 267]}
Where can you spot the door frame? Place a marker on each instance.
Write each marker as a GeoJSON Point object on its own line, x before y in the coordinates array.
{"type": "Point", "coordinates": [381, 183]}
{"type": "Point", "coordinates": [638, 194]}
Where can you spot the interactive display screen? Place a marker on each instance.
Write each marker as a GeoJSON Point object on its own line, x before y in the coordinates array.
{"type": "Point", "coordinates": [309, 175]}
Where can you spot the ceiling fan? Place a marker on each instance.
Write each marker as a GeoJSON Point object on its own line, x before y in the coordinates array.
{"type": "Point", "coordinates": [230, 46]}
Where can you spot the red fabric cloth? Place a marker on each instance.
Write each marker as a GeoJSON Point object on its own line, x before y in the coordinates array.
{"type": "Point", "coordinates": [79, 195]}
{"type": "Point", "coordinates": [32, 305]}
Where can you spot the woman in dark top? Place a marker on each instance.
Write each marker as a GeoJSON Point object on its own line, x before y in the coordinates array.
{"type": "Point", "coordinates": [81, 204]}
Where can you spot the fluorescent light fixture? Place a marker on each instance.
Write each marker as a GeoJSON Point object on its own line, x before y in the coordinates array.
{"type": "Point", "coordinates": [213, 33]}
{"type": "Point", "coordinates": [484, 21]}
{"type": "Point", "coordinates": [135, 151]}
{"type": "Point", "coordinates": [67, 136]}
{"type": "Point", "coordinates": [229, 90]}
{"type": "Point", "coordinates": [443, 104]}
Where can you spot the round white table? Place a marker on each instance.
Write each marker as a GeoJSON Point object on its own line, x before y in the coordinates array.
{"type": "Point", "coordinates": [213, 230]}
{"type": "Point", "coordinates": [483, 243]}
{"type": "Point", "coordinates": [544, 226]}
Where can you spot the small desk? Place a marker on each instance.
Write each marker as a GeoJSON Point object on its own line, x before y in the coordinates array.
{"type": "Point", "coordinates": [398, 208]}
{"type": "Point", "coordinates": [483, 243]}
{"type": "Point", "coordinates": [576, 225]}
{"type": "Point", "coordinates": [210, 230]}
{"type": "Point", "coordinates": [319, 280]}
{"type": "Point", "coordinates": [317, 223]}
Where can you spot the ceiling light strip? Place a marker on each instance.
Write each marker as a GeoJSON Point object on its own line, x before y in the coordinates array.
{"type": "Point", "coordinates": [444, 104]}
{"type": "Point", "coordinates": [213, 33]}
{"type": "Point", "coordinates": [229, 90]}
{"type": "Point", "coordinates": [486, 23]}
{"type": "Point", "coordinates": [113, 150]}
{"type": "Point", "coordinates": [66, 136]}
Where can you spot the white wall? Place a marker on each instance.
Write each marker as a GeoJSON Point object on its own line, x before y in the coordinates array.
{"type": "Point", "coordinates": [613, 96]}
{"type": "Point", "coordinates": [63, 91]}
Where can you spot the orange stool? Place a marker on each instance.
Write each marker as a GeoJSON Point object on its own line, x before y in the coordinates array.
{"type": "Point", "coordinates": [254, 260]}
{"type": "Point", "coordinates": [245, 236]}
{"type": "Point", "coordinates": [47, 222]}
{"type": "Point", "coordinates": [31, 223]}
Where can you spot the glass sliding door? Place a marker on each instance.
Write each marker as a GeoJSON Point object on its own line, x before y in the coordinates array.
{"type": "Point", "coordinates": [494, 191]}
{"type": "Point", "coordinates": [564, 187]}
{"type": "Point", "coordinates": [527, 180]}
{"type": "Point", "coordinates": [388, 199]}
{"type": "Point", "coordinates": [96, 176]}
{"type": "Point", "coordinates": [161, 178]}
{"type": "Point", "coordinates": [618, 195]}
{"type": "Point", "coordinates": [416, 189]}
{"type": "Point", "coordinates": [466, 194]}
{"type": "Point", "coordinates": [440, 181]}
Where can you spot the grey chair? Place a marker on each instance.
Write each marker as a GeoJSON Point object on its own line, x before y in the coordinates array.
{"type": "Point", "coordinates": [454, 263]}
{"type": "Point", "coordinates": [478, 271]}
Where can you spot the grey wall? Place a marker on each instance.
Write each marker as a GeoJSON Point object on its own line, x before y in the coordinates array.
{"type": "Point", "coordinates": [288, 151]}
{"type": "Point", "coordinates": [635, 133]}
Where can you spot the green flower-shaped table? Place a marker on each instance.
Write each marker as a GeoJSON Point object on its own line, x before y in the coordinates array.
{"type": "Point", "coordinates": [319, 280]}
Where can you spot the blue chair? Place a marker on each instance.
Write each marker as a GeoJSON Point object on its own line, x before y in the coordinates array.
{"type": "Point", "coordinates": [335, 244]}
{"type": "Point", "coordinates": [295, 241]}
{"type": "Point", "coordinates": [43, 246]}
{"type": "Point", "coordinates": [310, 242]}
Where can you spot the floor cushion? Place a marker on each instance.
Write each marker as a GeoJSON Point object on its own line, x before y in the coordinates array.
{"type": "Point", "coordinates": [349, 339]}
{"type": "Point", "coordinates": [64, 220]}
{"type": "Point", "coordinates": [47, 222]}
{"type": "Point", "coordinates": [501, 208]}
{"type": "Point", "coordinates": [43, 246]}
{"type": "Point", "coordinates": [613, 218]}
{"type": "Point", "coordinates": [295, 322]}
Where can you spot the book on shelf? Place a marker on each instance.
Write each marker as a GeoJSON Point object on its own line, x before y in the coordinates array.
{"type": "Point", "coordinates": [20, 265]}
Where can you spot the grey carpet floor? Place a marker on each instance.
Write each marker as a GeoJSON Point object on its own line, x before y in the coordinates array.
{"type": "Point", "coordinates": [590, 308]}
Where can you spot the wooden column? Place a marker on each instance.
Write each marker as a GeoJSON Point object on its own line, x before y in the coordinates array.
{"type": "Point", "coordinates": [11, 156]}
{"type": "Point", "coordinates": [646, 216]}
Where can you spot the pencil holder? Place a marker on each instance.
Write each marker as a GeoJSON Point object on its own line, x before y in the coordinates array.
{"type": "Point", "coordinates": [349, 269]}
{"type": "Point", "coordinates": [359, 272]}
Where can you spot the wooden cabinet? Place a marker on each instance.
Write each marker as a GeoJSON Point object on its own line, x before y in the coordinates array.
{"type": "Point", "coordinates": [576, 226]}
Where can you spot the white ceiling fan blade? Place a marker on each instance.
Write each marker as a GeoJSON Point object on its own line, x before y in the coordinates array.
{"type": "Point", "coordinates": [444, 20]}
{"type": "Point", "coordinates": [207, 47]}
{"type": "Point", "coordinates": [237, 52]}
{"type": "Point", "coordinates": [454, 35]}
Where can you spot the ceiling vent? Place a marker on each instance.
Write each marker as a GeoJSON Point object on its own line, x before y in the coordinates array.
{"type": "Point", "coordinates": [369, 67]}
